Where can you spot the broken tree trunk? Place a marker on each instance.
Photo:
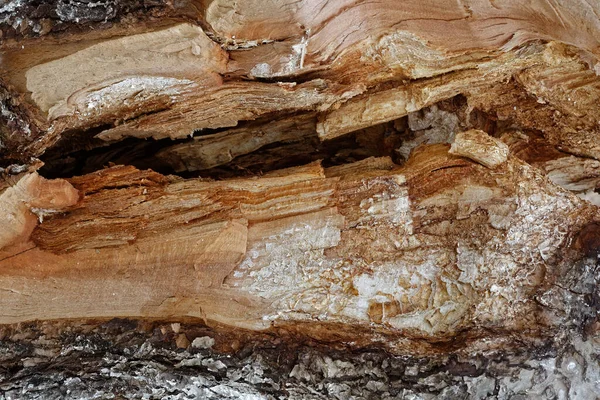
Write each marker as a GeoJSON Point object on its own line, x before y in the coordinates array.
{"type": "Point", "coordinates": [309, 200]}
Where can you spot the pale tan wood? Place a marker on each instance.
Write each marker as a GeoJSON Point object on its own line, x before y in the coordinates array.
{"type": "Point", "coordinates": [427, 250]}
{"type": "Point", "coordinates": [180, 77]}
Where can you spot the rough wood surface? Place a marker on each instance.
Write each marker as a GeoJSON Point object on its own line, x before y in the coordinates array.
{"type": "Point", "coordinates": [416, 185]}
{"type": "Point", "coordinates": [440, 247]}
{"type": "Point", "coordinates": [175, 77]}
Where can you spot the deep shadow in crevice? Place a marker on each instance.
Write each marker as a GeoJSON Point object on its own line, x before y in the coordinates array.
{"type": "Point", "coordinates": [136, 152]}
{"type": "Point", "coordinates": [81, 153]}
{"type": "Point", "coordinates": [377, 141]}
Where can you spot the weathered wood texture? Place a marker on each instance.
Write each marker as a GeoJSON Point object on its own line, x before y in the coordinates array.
{"type": "Point", "coordinates": [439, 247]}
{"type": "Point", "coordinates": [418, 179]}
{"type": "Point", "coordinates": [213, 65]}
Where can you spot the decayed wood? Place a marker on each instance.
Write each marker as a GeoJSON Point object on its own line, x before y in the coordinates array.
{"type": "Point", "coordinates": [418, 179]}
{"type": "Point", "coordinates": [209, 151]}
{"type": "Point", "coordinates": [168, 79]}
{"type": "Point", "coordinates": [579, 175]}
{"type": "Point", "coordinates": [480, 147]}
{"type": "Point", "coordinates": [29, 195]}
{"type": "Point", "coordinates": [440, 246]}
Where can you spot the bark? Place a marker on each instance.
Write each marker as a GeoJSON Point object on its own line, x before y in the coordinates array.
{"type": "Point", "coordinates": [306, 200]}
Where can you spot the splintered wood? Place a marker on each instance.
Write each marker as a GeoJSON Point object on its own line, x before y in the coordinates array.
{"type": "Point", "coordinates": [477, 219]}
{"type": "Point", "coordinates": [440, 246]}
{"type": "Point", "coordinates": [169, 78]}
